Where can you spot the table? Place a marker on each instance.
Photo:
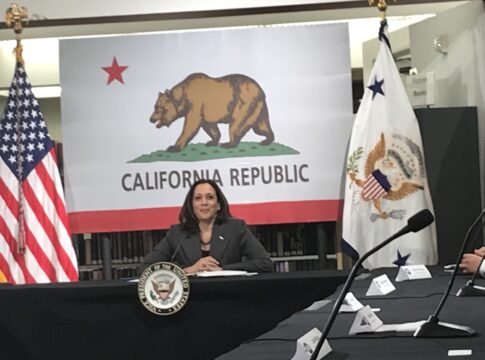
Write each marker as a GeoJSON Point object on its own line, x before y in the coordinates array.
{"type": "Point", "coordinates": [105, 320]}
{"type": "Point", "coordinates": [412, 301]}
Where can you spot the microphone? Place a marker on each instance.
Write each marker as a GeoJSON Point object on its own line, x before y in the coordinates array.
{"type": "Point", "coordinates": [177, 249]}
{"type": "Point", "coordinates": [432, 327]}
{"type": "Point", "coordinates": [415, 223]}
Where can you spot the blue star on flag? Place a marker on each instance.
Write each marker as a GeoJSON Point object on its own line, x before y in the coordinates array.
{"type": "Point", "coordinates": [376, 87]}
{"type": "Point", "coordinates": [401, 260]}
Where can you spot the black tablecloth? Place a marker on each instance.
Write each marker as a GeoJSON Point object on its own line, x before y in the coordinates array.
{"type": "Point", "coordinates": [412, 301]}
{"type": "Point", "coordinates": [105, 320]}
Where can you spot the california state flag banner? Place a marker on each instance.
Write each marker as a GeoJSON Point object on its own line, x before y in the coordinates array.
{"type": "Point", "coordinates": [386, 179]}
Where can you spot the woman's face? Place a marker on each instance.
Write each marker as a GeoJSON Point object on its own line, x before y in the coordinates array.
{"type": "Point", "coordinates": [205, 202]}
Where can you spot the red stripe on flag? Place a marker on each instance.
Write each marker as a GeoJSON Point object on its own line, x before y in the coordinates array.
{"type": "Point", "coordinates": [39, 254]}
{"type": "Point", "coordinates": [372, 189]}
{"type": "Point", "coordinates": [9, 199]}
{"type": "Point", "coordinates": [52, 191]}
{"type": "Point", "coordinates": [61, 215]}
{"type": "Point", "coordinates": [12, 244]}
{"type": "Point", "coordinates": [34, 244]}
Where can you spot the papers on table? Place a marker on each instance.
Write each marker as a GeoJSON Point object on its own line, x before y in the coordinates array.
{"type": "Point", "coordinates": [405, 327]}
{"type": "Point", "coordinates": [223, 273]}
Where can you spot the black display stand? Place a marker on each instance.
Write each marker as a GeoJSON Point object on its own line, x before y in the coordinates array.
{"type": "Point", "coordinates": [450, 141]}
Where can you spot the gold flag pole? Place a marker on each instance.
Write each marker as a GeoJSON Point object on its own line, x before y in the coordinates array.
{"type": "Point", "coordinates": [13, 18]}
{"type": "Point", "coordinates": [381, 6]}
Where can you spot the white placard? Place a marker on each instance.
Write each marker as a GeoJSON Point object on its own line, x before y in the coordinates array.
{"type": "Point", "coordinates": [413, 272]}
{"type": "Point", "coordinates": [380, 285]}
{"type": "Point", "coordinates": [420, 89]}
{"type": "Point", "coordinates": [350, 304]}
{"type": "Point", "coordinates": [365, 321]}
{"type": "Point", "coordinates": [305, 346]}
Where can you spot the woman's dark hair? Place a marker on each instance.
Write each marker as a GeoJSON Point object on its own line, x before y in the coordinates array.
{"type": "Point", "coordinates": [187, 217]}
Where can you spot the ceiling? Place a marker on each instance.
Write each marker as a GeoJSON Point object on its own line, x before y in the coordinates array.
{"type": "Point", "coordinates": [73, 18]}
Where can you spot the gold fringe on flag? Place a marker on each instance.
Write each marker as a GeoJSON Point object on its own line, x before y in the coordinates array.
{"type": "Point", "coordinates": [13, 18]}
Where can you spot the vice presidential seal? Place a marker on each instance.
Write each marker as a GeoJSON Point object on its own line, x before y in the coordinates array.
{"type": "Point", "coordinates": [163, 288]}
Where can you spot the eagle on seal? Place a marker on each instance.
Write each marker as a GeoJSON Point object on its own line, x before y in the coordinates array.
{"type": "Point", "coordinates": [387, 176]}
{"type": "Point", "coordinates": [164, 289]}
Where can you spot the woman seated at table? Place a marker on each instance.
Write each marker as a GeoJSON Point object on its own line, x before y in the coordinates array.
{"type": "Point", "coordinates": [208, 238]}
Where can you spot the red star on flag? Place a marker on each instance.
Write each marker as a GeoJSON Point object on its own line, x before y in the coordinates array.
{"type": "Point", "coordinates": [115, 71]}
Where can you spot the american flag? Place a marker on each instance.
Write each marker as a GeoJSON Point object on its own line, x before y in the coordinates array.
{"type": "Point", "coordinates": [35, 241]}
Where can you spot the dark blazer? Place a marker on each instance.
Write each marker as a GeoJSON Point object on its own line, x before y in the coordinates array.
{"type": "Point", "coordinates": [232, 244]}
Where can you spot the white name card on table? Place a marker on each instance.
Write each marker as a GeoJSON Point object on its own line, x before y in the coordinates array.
{"type": "Point", "coordinates": [350, 304]}
{"type": "Point", "coordinates": [380, 285]}
{"type": "Point", "coordinates": [365, 321]}
{"type": "Point", "coordinates": [305, 346]}
{"type": "Point", "coordinates": [413, 272]}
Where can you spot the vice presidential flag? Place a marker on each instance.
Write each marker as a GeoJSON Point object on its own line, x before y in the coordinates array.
{"type": "Point", "coordinates": [35, 242]}
{"type": "Point", "coordinates": [386, 179]}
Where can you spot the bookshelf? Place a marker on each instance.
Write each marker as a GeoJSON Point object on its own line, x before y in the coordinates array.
{"type": "Point", "coordinates": [293, 247]}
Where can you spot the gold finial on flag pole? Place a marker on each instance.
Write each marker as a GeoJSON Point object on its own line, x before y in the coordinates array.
{"type": "Point", "coordinates": [13, 18]}
{"type": "Point", "coordinates": [381, 6]}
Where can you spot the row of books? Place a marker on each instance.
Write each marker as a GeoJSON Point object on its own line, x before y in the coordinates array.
{"type": "Point", "coordinates": [293, 239]}
{"type": "Point", "coordinates": [300, 265]}
{"type": "Point", "coordinates": [125, 247]}
{"type": "Point", "coordinates": [285, 240]}
{"type": "Point", "coordinates": [116, 273]}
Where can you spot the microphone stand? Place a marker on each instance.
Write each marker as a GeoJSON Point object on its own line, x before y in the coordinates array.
{"type": "Point", "coordinates": [433, 327]}
{"type": "Point", "coordinates": [470, 289]}
{"type": "Point", "coordinates": [353, 274]}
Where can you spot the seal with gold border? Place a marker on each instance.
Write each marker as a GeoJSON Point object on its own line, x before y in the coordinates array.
{"type": "Point", "coordinates": [163, 288]}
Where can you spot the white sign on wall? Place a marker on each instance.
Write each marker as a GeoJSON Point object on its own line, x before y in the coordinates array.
{"type": "Point", "coordinates": [420, 89]}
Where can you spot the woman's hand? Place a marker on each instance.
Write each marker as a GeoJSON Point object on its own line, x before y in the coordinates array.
{"type": "Point", "coordinates": [480, 252]}
{"type": "Point", "coordinates": [207, 263]}
{"type": "Point", "coordinates": [469, 262]}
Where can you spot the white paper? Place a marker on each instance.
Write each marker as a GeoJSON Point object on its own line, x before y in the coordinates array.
{"type": "Point", "coordinates": [317, 305]}
{"type": "Point", "coordinates": [224, 273]}
{"type": "Point", "coordinates": [405, 327]}
{"type": "Point", "coordinates": [464, 352]}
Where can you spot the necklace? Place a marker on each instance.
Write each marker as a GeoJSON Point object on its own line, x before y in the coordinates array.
{"type": "Point", "coordinates": [205, 243]}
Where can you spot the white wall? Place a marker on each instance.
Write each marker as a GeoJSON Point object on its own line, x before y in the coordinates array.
{"type": "Point", "coordinates": [454, 72]}
{"type": "Point", "coordinates": [459, 73]}
{"type": "Point", "coordinates": [399, 42]}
